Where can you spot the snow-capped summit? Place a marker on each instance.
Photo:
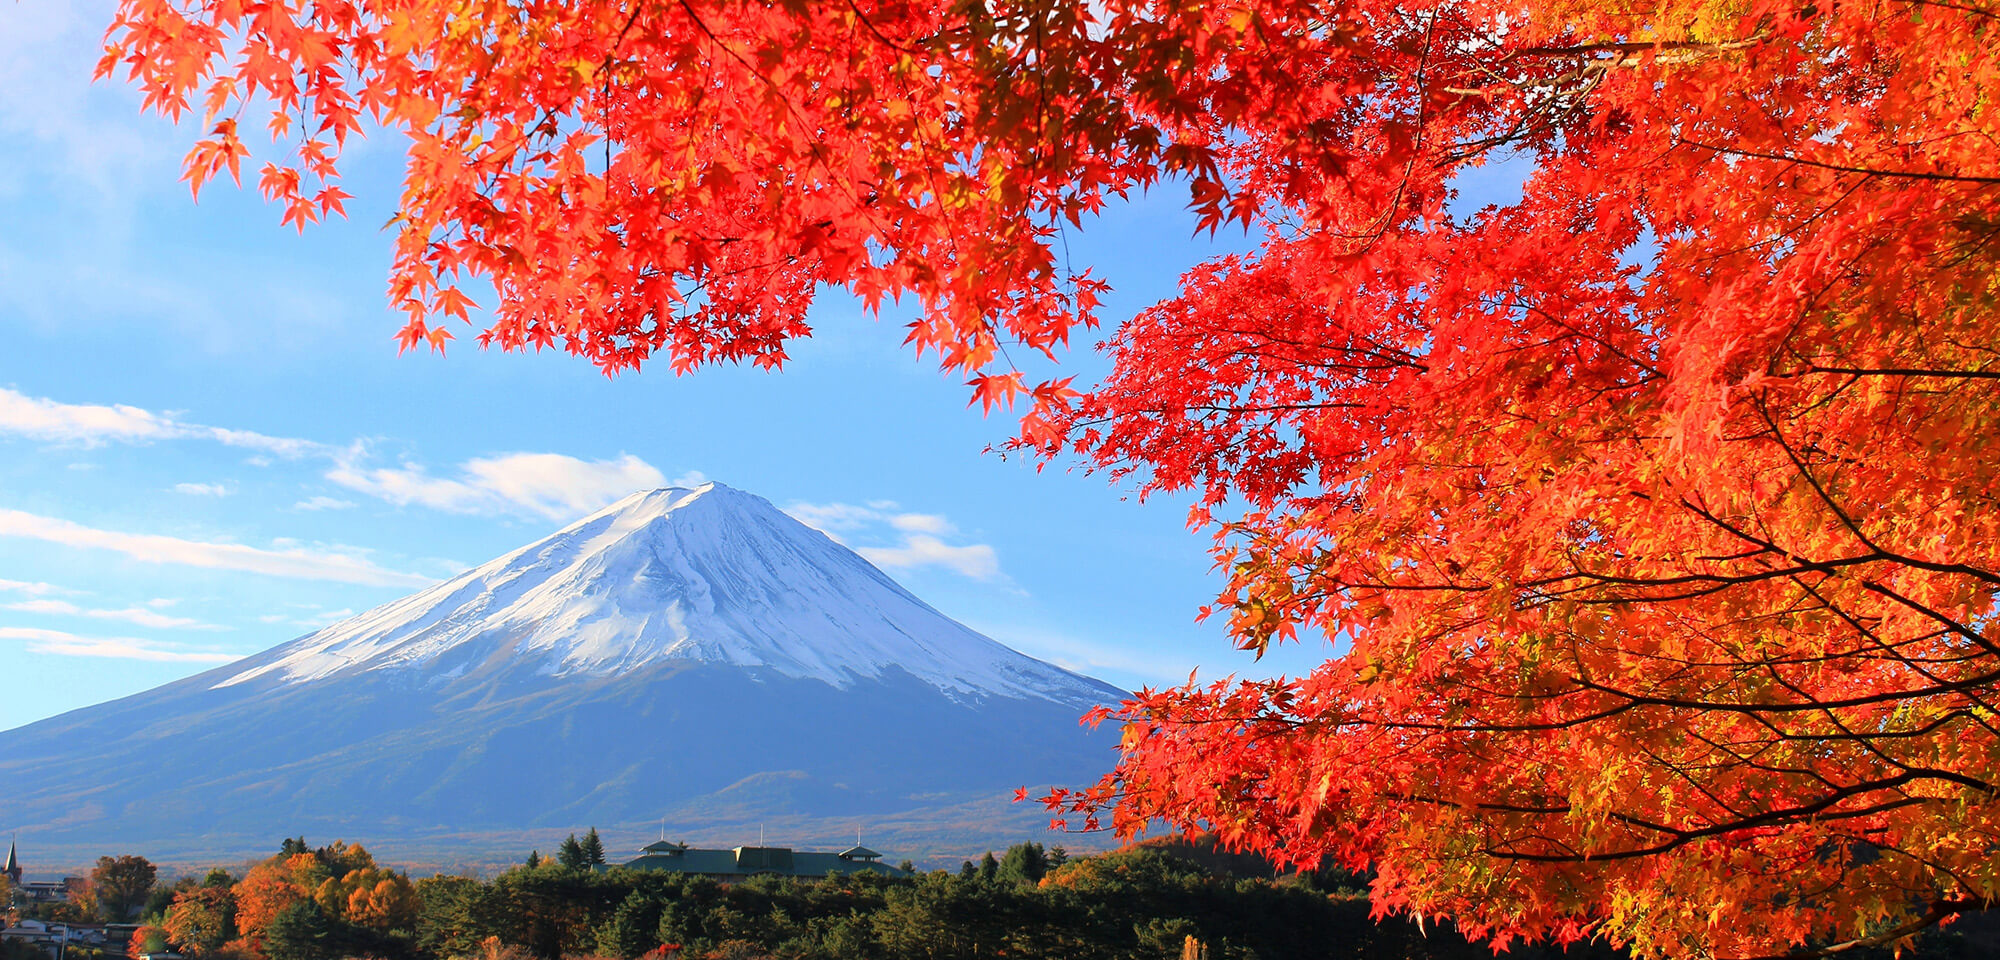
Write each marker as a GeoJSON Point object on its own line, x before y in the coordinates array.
{"type": "Point", "coordinates": [711, 575]}
{"type": "Point", "coordinates": [689, 654]}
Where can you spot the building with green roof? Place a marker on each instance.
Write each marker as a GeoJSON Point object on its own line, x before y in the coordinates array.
{"type": "Point", "coordinates": [740, 862]}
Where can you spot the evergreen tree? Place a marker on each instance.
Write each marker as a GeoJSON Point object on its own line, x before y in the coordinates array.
{"type": "Point", "coordinates": [968, 871]}
{"type": "Point", "coordinates": [1057, 857]}
{"type": "Point", "coordinates": [632, 929]}
{"type": "Point", "coordinates": [449, 919]}
{"type": "Point", "coordinates": [301, 931]}
{"type": "Point", "coordinates": [571, 854]}
{"type": "Point", "coordinates": [294, 845]}
{"type": "Point", "coordinates": [988, 866]}
{"type": "Point", "coordinates": [1024, 863]}
{"type": "Point", "coordinates": [534, 859]}
{"type": "Point", "coordinates": [593, 849]}
{"type": "Point", "coordinates": [218, 877]}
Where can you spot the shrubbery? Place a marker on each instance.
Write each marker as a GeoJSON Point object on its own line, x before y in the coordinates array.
{"type": "Point", "coordinates": [1164, 901]}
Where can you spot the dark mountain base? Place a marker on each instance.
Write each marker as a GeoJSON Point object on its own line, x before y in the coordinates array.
{"type": "Point", "coordinates": [484, 768]}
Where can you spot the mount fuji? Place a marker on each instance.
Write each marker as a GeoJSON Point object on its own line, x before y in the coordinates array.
{"type": "Point", "coordinates": [685, 659]}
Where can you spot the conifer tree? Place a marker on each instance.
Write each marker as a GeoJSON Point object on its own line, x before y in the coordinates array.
{"type": "Point", "coordinates": [1024, 863]}
{"type": "Point", "coordinates": [301, 931]}
{"type": "Point", "coordinates": [593, 849]}
{"type": "Point", "coordinates": [571, 854]}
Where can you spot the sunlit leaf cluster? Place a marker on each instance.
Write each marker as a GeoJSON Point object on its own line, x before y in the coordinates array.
{"type": "Point", "coordinates": [1651, 515]}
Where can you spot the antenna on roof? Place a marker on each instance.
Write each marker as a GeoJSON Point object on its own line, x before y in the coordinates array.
{"type": "Point", "coordinates": [663, 828]}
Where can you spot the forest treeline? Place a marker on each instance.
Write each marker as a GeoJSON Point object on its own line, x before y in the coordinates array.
{"type": "Point", "coordinates": [1157, 901]}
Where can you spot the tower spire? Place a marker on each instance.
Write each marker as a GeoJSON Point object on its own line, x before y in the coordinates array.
{"type": "Point", "coordinates": [13, 868]}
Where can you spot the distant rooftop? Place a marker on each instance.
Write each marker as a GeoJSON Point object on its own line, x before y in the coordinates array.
{"type": "Point", "coordinates": [672, 857]}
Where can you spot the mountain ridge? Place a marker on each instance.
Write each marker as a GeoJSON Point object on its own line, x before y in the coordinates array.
{"type": "Point", "coordinates": [622, 587]}
{"type": "Point", "coordinates": [690, 653]}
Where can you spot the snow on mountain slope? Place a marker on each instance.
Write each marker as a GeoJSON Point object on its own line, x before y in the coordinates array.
{"type": "Point", "coordinates": [711, 575]}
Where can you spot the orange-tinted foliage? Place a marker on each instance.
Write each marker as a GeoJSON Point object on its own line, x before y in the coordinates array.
{"type": "Point", "coordinates": [1653, 512]}
{"type": "Point", "coordinates": [370, 897]}
{"type": "Point", "coordinates": [198, 922]}
{"type": "Point", "coordinates": [146, 939]}
{"type": "Point", "coordinates": [262, 893]}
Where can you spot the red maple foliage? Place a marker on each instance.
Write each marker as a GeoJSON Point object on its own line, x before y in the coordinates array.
{"type": "Point", "coordinates": [1651, 515]}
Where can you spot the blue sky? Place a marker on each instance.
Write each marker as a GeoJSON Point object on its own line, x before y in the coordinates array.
{"type": "Point", "coordinates": [209, 445]}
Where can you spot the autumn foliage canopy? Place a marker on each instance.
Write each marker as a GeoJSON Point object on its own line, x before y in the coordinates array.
{"type": "Point", "coordinates": [1651, 512]}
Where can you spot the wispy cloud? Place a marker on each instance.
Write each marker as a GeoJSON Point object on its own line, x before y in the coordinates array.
{"type": "Point", "coordinates": [294, 562]}
{"type": "Point", "coordinates": [1086, 656]}
{"type": "Point", "coordinates": [921, 523]}
{"type": "Point", "coordinates": [834, 519]}
{"type": "Point", "coordinates": [976, 560]}
{"type": "Point", "coordinates": [548, 485]}
{"type": "Point", "coordinates": [63, 644]}
{"type": "Point", "coordinates": [139, 615]}
{"type": "Point", "coordinates": [31, 589]}
{"type": "Point", "coordinates": [918, 537]}
{"type": "Point", "coordinates": [315, 618]}
{"type": "Point", "coordinates": [90, 425]}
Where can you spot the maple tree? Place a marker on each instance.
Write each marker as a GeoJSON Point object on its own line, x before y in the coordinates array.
{"type": "Point", "coordinates": [266, 891]}
{"type": "Point", "coordinates": [1651, 514]}
{"type": "Point", "coordinates": [200, 920]}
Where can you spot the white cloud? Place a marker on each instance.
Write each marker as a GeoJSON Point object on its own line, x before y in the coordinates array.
{"type": "Point", "coordinates": [31, 589]}
{"type": "Point", "coordinates": [286, 447]}
{"type": "Point", "coordinates": [975, 560]}
{"type": "Point", "coordinates": [90, 425]}
{"type": "Point", "coordinates": [58, 643]}
{"type": "Point", "coordinates": [139, 615]}
{"type": "Point", "coordinates": [918, 535]}
{"type": "Point", "coordinates": [833, 518]}
{"type": "Point", "coordinates": [151, 618]}
{"type": "Point", "coordinates": [40, 419]}
{"type": "Point", "coordinates": [313, 617]}
{"type": "Point", "coordinates": [297, 563]}
{"type": "Point", "coordinates": [44, 606]}
{"type": "Point", "coordinates": [322, 618]}
{"type": "Point", "coordinates": [921, 523]}
{"type": "Point", "coordinates": [550, 485]}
